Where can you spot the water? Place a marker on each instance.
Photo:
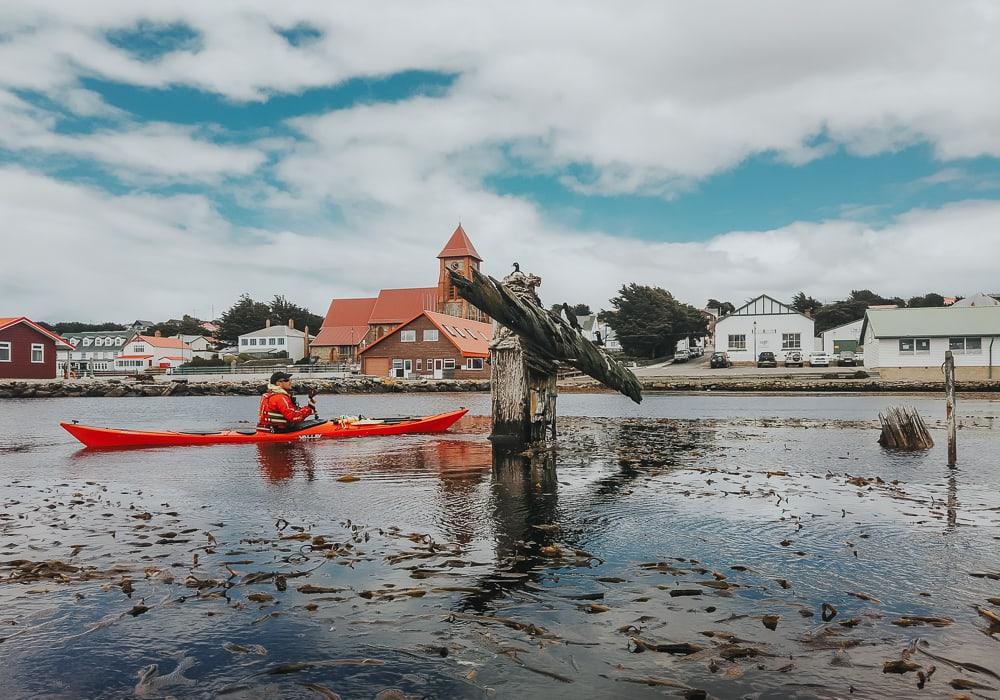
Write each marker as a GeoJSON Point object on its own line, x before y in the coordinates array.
{"type": "Point", "coordinates": [457, 574]}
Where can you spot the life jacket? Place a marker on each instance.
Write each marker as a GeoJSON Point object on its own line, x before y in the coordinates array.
{"type": "Point", "coordinates": [278, 412]}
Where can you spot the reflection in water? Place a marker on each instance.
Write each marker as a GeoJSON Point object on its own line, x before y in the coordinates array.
{"type": "Point", "coordinates": [280, 461]}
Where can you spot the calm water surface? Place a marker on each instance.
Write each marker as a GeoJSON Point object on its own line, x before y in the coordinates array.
{"type": "Point", "coordinates": [255, 572]}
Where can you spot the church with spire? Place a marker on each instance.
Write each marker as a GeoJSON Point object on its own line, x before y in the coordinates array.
{"type": "Point", "coordinates": [351, 325]}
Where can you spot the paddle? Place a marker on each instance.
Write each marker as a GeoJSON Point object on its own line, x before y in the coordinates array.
{"type": "Point", "coordinates": [312, 395]}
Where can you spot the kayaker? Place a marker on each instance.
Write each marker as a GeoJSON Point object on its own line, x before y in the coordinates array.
{"type": "Point", "coordinates": [278, 411]}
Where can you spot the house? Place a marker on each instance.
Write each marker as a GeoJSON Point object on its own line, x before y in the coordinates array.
{"type": "Point", "coordinates": [978, 299]}
{"type": "Point", "coordinates": [431, 345]}
{"type": "Point", "coordinates": [201, 346]}
{"type": "Point", "coordinates": [92, 351]}
{"type": "Point", "coordinates": [144, 352]}
{"type": "Point", "coordinates": [842, 338]}
{"type": "Point", "coordinates": [763, 324]}
{"type": "Point", "coordinates": [139, 326]}
{"type": "Point", "coordinates": [271, 340]}
{"type": "Point", "coordinates": [28, 350]}
{"type": "Point", "coordinates": [597, 331]}
{"type": "Point", "coordinates": [352, 324]}
{"type": "Point", "coordinates": [911, 343]}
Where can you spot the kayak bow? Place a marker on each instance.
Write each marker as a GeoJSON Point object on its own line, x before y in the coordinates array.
{"type": "Point", "coordinates": [106, 438]}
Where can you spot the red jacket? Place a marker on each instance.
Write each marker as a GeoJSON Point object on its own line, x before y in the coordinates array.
{"type": "Point", "coordinates": [278, 412]}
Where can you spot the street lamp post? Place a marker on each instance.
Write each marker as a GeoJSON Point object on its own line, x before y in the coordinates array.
{"type": "Point", "coordinates": [755, 341]}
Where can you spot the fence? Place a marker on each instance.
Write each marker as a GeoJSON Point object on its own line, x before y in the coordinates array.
{"type": "Point", "coordinates": [343, 367]}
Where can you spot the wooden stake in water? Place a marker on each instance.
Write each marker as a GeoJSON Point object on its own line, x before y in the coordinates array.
{"type": "Point", "coordinates": [949, 387]}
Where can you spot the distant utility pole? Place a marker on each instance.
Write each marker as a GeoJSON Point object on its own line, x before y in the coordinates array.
{"type": "Point", "coordinates": [949, 387]}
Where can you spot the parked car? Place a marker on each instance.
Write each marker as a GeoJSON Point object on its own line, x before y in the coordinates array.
{"type": "Point", "coordinates": [819, 359]}
{"type": "Point", "coordinates": [767, 359]}
{"type": "Point", "coordinates": [682, 356]}
{"type": "Point", "coordinates": [846, 358]}
{"type": "Point", "coordinates": [793, 358]}
{"type": "Point", "coordinates": [720, 360]}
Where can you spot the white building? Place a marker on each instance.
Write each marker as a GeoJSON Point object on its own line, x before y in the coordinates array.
{"type": "Point", "coordinates": [763, 324]}
{"type": "Point", "coordinates": [272, 340]}
{"type": "Point", "coordinates": [597, 331]}
{"type": "Point", "coordinates": [201, 346]}
{"type": "Point", "coordinates": [93, 351]}
{"type": "Point", "coordinates": [842, 338]}
{"type": "Point", "coordinates": [911, 343]}
{"type": "Point", "coordinates": [977, 299]}
{"type": "Point", "coordinates": [144, 352]}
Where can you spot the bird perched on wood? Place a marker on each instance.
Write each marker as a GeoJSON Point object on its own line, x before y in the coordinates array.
{"type": "Point", "coordinates": [517, 268]}
{"type": "Point", "coordinates": [571, 317]}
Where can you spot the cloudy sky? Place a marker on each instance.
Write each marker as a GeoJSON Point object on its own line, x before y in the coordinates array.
{"type": "Point", "coordinates": [160, 158]}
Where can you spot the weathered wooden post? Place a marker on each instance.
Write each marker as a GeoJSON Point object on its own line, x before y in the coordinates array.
{"type": "Point", "coordinates": [527, 344]}
{"type": "Point", "coordinates": [949, 388]}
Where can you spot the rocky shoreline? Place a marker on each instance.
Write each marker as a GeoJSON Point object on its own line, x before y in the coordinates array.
{"type": "Point", "coordinates": [120, 388]}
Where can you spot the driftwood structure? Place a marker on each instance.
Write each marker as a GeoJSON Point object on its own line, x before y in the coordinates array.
{"type": "Point", "coordinates": [904, 429]}
{"type": "Point", "coordinates": [527, 346]}
{"type": "Point", "coordinates": [949, 388]}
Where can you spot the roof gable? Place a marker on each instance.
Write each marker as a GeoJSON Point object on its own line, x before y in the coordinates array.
{"type": "Point", "coordinates": [329, 336]}
{"type": "Point", "coordinates": [459, 246]}
{"type": "Point", "coordinates": [9, 321]}
{"type": "Point", "coordinates": [470, 338]}
{"type": "Point", "coordinates": [398, 305]}
{"type": "Point", "coordinates": [764, 305]}
{"type": "Point", "coordinates": [161, 342]}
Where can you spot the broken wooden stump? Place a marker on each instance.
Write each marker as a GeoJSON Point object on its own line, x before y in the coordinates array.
{"type": "Point", "coordinates": [904, 429]}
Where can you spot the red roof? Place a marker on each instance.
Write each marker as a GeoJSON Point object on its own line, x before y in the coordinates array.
{"type": "Point", "coordinates": [340, 335]}
{"type": "Point", "coordinates": [349, 312]}
{"type": "Point", "coordinates": [133, 357]}
{"type": "Point", "coordinates": [471, 338]}
{"type": "Point", "coordinates": [459, 246]}
{"type": "Point", "coordinates": [161, 342]}
{"type": "Point", "coordinates": [398, 305]}
{"type": "Point", "coordinates": [6, 322]}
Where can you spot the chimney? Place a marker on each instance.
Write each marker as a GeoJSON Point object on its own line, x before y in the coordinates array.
{"type": "Point", "coordinates": [157, 334]}
{"type": "Point", "coordinates": [808, 313]}
{"type": "Point", "coordinates": [291, 323]}
{"type": "Point", "coordinates": [267, 323]}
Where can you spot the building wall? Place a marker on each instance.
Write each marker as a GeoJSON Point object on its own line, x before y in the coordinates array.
{"type": "Point", "coordinates": [934, 374]}
{"type": "Point", "coordinates": [21, 338]}
{"type": "Point", "coordinates": [851, 331]}
{"type": "Point", "coordinates": [888, 357]}
{"type": "Point", "coordinates": [294, 345]}
{"type": "Point", "coordinates": [767, 332]}
{"type": "Point", "coordinates": [392, 348]}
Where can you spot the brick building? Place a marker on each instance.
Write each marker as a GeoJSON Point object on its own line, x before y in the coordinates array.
{"type": "Point", "coordinates": [431, 345]}
{"type": "Point", "coordinates": [28, 350]}
{"type": "Point", "coordinates": [353, 324]}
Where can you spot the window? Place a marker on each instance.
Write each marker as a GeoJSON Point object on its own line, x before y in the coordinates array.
{"type": "Point", "coordinates": [965, 346]}
{"type": "Point", "coordinates": [281, 341]}
{"type": "Point", "coordinates": [431, 336]}
{"type": "Point", "coordinates": [914, 346]}
{"type": "Point", "coordinates": [791, 341]}
{"type": "Point", "coordinates": [4, 352]}
{"type": "Point", "coordinates": [397, 364]}
{"type": "Point", "coordinates": [407, 336]}
{"type": "Point", "coordinates": [449, 363]}
{"type": "Point", "coordinates": [419, 363]}
{"type": "Point", "coordinates": [139, 348]}
{"type": "Point", "coordinates": [37, 353]}
{"type": "Point", "coordinates": [451, 331]}
{"type": "Point", "coordinates": [253, 341]}
{"type": "Point", "coordinates": [272, 341]}
{"type": "Point", "coordinates": [737, 342]}
{"type": "Point", "coordinates": [244, 341]}
{"type": "Point", "coordinates": [474, 363]}
{"type": "Point", "coordinates": [460, 331]}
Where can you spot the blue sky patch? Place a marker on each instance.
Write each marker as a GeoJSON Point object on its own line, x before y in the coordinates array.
{"type": "Point", "coordinates": [147, 41]}
{"type": "Point", "coordinates": [301, 34]}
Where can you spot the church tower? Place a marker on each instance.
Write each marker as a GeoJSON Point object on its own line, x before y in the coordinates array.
{"type": "Point", "coordinates": [458, 254]}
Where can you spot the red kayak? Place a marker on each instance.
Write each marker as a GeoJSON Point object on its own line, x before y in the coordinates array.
{"type": "Point", "coordinates": [104, 438]}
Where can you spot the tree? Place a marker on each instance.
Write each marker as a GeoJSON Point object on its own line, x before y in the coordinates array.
{"type": "Point", "coordinates": [802, 303]}
{"type": "Point", "coordinates": [81, 327]}
{"type": "Point", "coordinates": [245, 316]}
{"type": "Point", "coordinates": [189, 325]}
{"type": "Point", "coordinates": [282, 310]}
{"type": "Point", "coordinates": [931, 299]}
{"type": "Point", "coordinates": [850, 309]}
{"type": "Point", "coordinates": [725, 307]}
{"type": "Point", "coordinates": [649, 320]}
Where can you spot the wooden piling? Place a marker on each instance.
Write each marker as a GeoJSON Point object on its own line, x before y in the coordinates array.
{"type": "Point", "coordinates": [949, 388]}
{"type": "Point", "coordinates": [904, 429]}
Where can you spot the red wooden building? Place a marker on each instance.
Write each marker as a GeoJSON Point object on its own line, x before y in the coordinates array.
{"type": "Point", "coordinates": [28, 350]}
{"type": "Point", "coordinates": [352, 324]}
{"type": "Point", "coordinates": [431, 345]}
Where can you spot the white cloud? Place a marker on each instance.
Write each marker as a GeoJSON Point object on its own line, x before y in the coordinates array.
{"type": "Point", "coordinates": [91, 255]}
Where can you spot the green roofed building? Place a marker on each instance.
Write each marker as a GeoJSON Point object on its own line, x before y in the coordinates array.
{"type": "Point", "coordinates": [911, 343]}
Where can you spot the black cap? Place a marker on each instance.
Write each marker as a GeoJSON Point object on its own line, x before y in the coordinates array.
{"type": "Point", "coordinates": [280, 376]}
